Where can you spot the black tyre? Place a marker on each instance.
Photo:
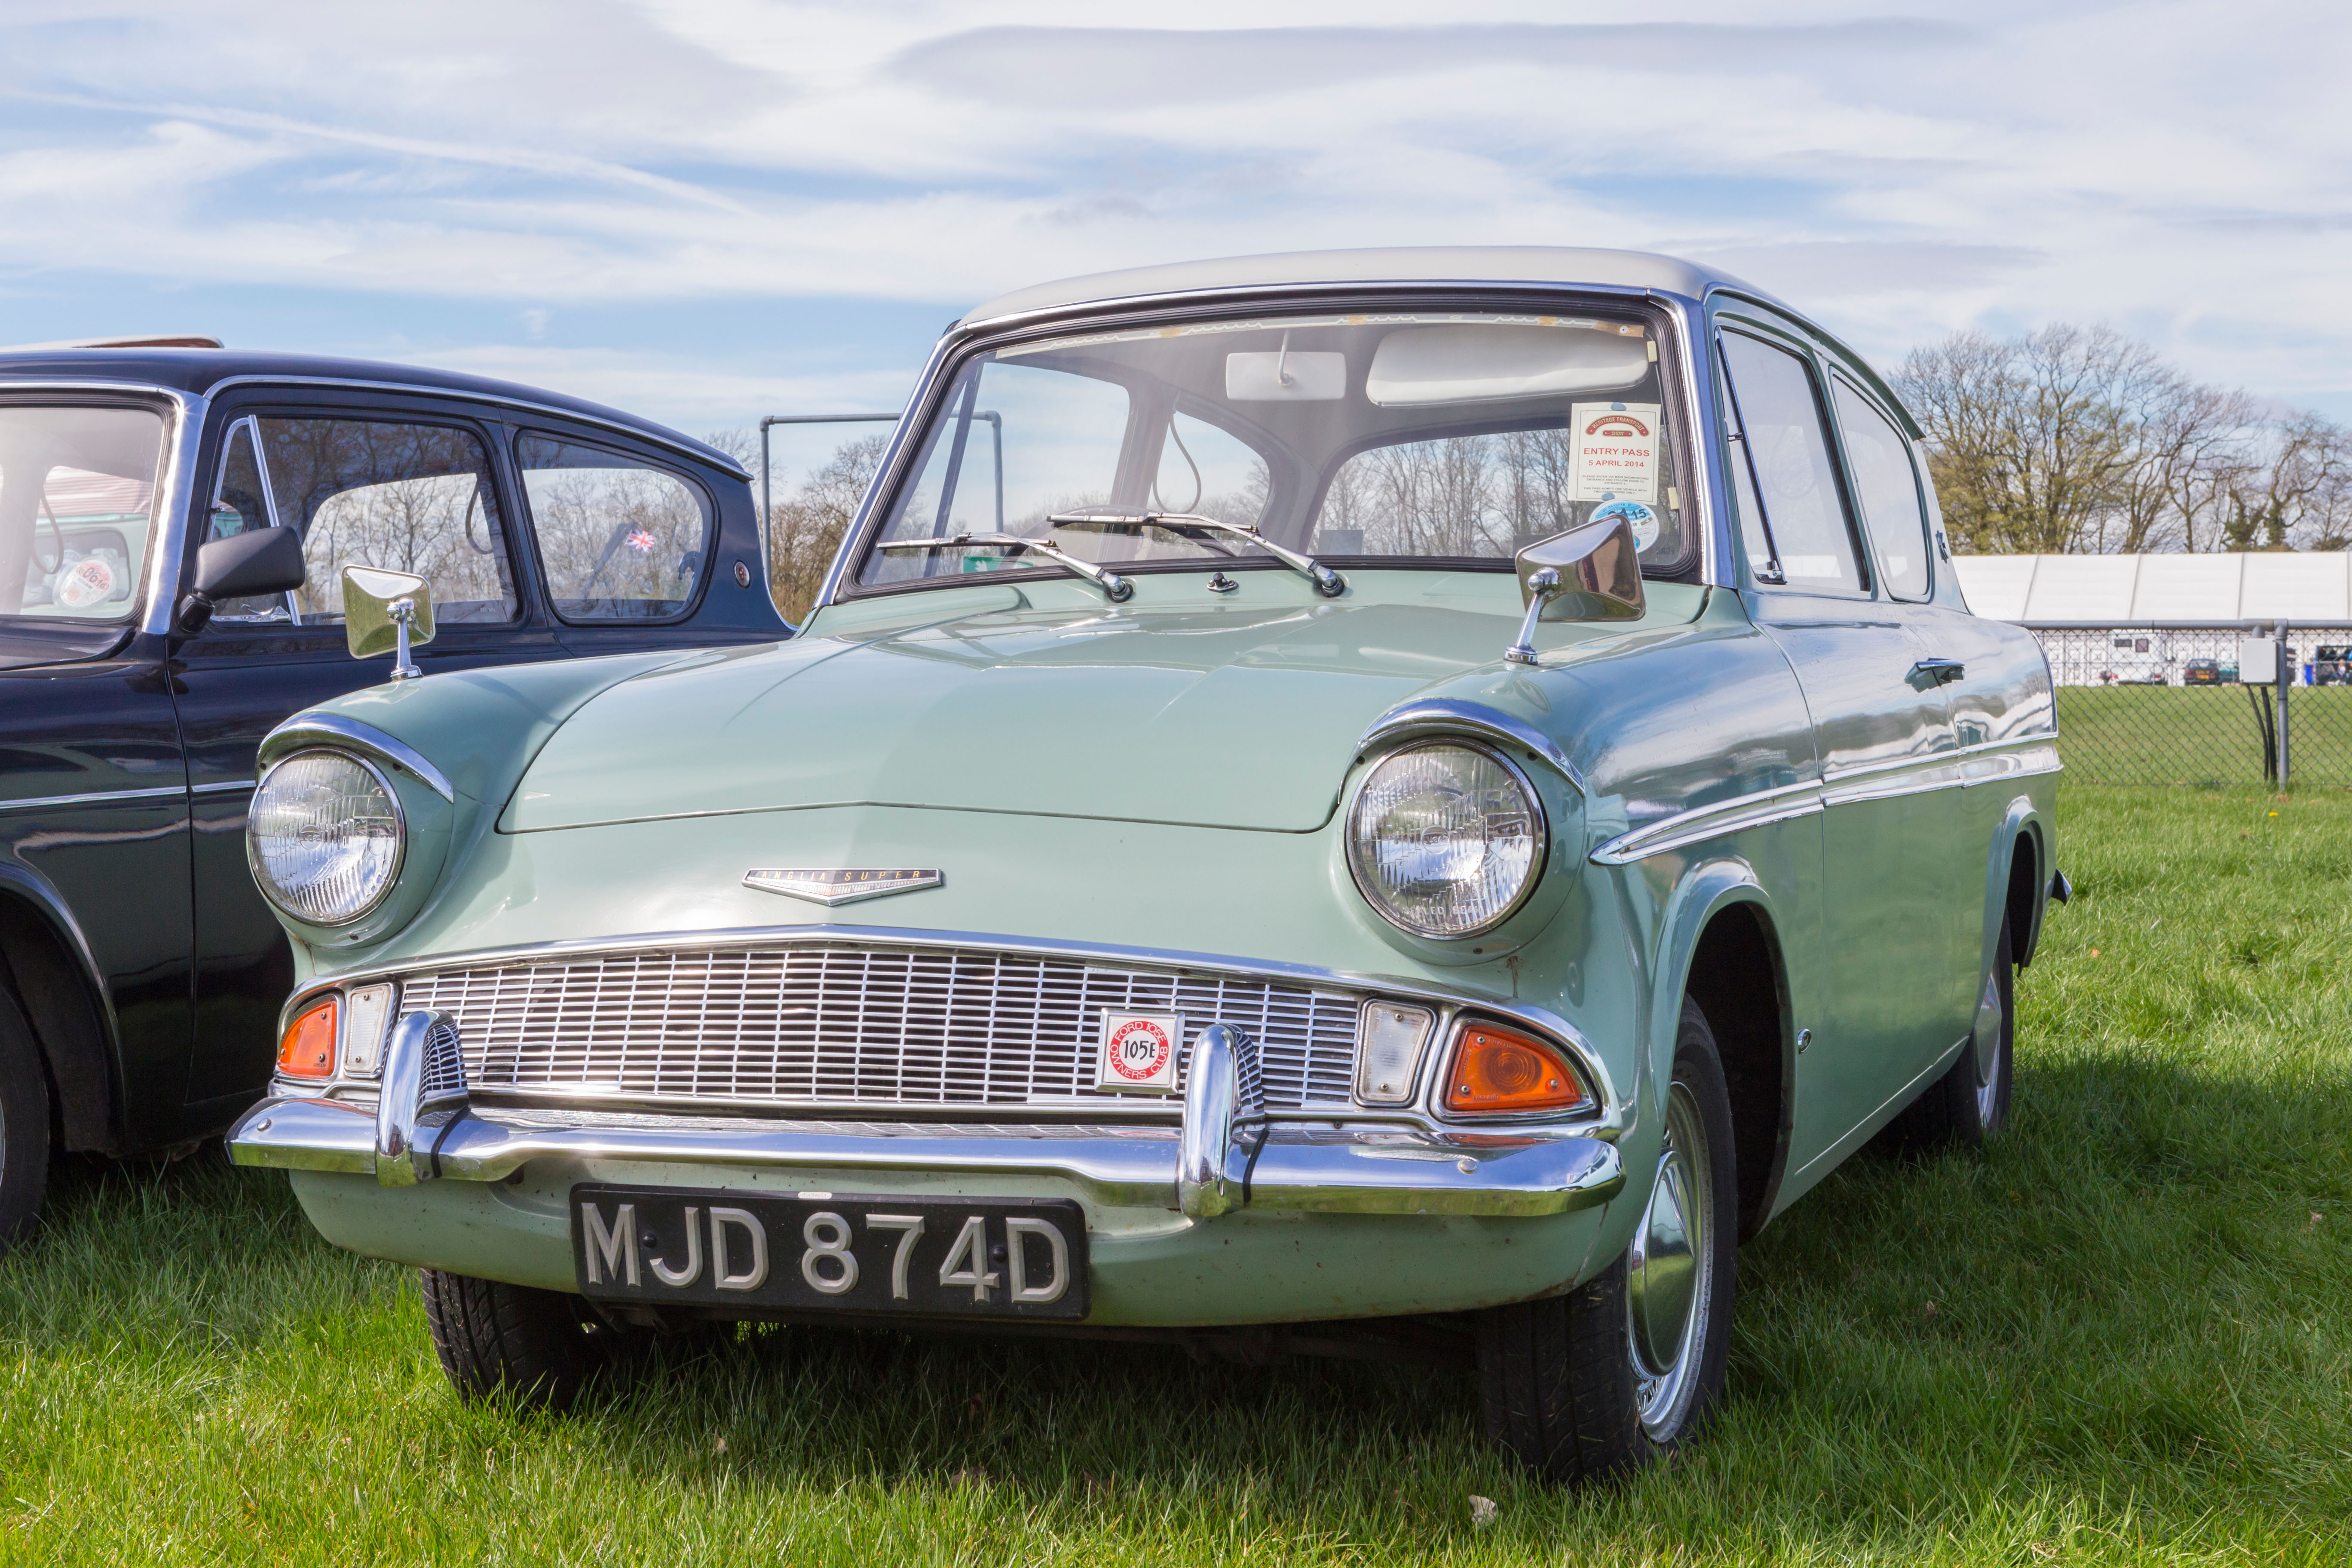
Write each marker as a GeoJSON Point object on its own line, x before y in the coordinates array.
{"type": "Point", "coordinates": [1969, 1103]}
{"type": "Point", "coordinates": [1630, 1364]}
{"type": "Point", "coordinates": [541, 1346]}
{"type": "Point", "coordinates": [24, 1125]}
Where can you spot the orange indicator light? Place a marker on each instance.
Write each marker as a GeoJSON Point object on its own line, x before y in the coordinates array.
{"type": "Point", "coordinates": [1502, 1069]}
{"type": "Point", "coordinates": [309, 1049]}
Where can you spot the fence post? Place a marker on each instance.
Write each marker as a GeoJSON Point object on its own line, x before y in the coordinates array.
{"type": "Point", "coordinates": [2285, 681]}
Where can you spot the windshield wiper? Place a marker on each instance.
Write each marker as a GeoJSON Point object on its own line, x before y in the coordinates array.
{"type": "Point", "coordinates": [1116, 588]}
{"type": "Point", "coordinates": [1328, 582]}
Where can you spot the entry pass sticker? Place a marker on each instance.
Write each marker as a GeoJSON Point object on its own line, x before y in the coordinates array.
{"type": "Point", "coordinates": [1139, 1051]}
{"type": "Point", "coordinates": [1616, 451]}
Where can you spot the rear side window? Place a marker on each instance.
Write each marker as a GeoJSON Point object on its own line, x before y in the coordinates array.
{"type": "Point", "coordinates": [620, 538]}
{"type": "Point", "coordinates": [1788, 453]}
{"type": "Point", "coordinates": [1880, 460]}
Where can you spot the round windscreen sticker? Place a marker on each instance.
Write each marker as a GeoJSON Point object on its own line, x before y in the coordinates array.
{"type": "Point", "coordinates": [85, 582]}
{"type": "Point", "coordinates": [1645, 521]}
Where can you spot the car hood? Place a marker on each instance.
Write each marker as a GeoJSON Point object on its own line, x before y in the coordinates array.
{"type": "Point", "coordinates": [1224, 716]}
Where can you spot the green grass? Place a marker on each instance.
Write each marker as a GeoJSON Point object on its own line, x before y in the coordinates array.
{"type": "Point", "coordinates": [2125, 1335]}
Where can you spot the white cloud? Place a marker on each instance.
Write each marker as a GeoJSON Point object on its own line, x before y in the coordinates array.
{"type": "Point", "coordinates": [2178, 167]}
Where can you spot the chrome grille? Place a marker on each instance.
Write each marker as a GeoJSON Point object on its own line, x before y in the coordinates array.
{"type": "Point", "coordinates": [865, 1024]}
{"type": "Point", "coordinates": [445, 1069]}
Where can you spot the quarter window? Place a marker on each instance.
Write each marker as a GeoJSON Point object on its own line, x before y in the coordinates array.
{"type": "Point", "coordinates": [620, 538]}
{"type": "Point", "coordinates": [366, 492]}
{"type": "Point", "coordinates": [1780, 415]}
{"type": "Point", "coordinates": [1880, 460]}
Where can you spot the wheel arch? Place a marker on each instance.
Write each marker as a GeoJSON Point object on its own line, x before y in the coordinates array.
{"type": "Point", "coordinates": [49, 968]}
{"type": "Point", "coordinates": [2018, 869]}
{"type": "Point", "coordinates": [1725, 952]}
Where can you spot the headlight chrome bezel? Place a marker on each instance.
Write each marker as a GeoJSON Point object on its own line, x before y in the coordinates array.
{"type": "Point", "coordinates": [400, 839]}
{"type": "Point", "coordinates": [1537, 820]}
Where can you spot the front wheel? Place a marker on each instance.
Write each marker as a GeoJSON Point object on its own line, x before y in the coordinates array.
{"type": "Point", "coordinates": [1630, 1364]}
{"type": "Point", "coordinates": [541, 1346]}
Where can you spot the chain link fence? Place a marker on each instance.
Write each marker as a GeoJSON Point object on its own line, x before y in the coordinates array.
{"type": "Point", "coordinates": [2170, 705]}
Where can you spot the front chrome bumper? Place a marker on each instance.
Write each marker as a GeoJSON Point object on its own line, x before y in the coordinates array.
{"type": "Point", "coordinates": [1216, 1163]}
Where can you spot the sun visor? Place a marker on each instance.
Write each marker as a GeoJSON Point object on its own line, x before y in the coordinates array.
{"type": "Point", "coordinates": [1485, 361]}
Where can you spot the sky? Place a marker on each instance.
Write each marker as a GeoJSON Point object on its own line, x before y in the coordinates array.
{"type": "Point", "coordinates": [708, 210]}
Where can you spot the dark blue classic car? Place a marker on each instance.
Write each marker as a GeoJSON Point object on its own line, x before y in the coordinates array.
{"type": "Point", "coordinates": [175, 528]}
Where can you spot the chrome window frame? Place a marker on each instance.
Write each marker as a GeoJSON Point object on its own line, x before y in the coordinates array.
{"type": "Point", "coordinates": [1687, 316]}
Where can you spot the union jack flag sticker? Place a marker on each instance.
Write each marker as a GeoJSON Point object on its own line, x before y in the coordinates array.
{"type": "Point", "coordinates": [641, 542]}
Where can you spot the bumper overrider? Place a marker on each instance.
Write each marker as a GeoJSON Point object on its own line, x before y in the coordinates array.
{"type": "Point", "coordinates": [1231, 1216]}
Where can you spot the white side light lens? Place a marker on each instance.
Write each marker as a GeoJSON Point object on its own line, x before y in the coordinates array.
{"type": "Point", "coordinates": [1390, 1038]}
{"type": "Point", "coordinates": [1445, 839]}
{"type": "Point", "coordinates": [324, 837]}
{"type": "Point", "coordinates": [367, 1010]}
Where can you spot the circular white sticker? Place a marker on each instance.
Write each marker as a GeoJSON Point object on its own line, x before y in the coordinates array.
{"type": "Point", "coordinates": [1139, 1050]}
{"type": "Point", "coordinates": [1645, 521]}
{"type": "Point", "coordinates": [85, 582]}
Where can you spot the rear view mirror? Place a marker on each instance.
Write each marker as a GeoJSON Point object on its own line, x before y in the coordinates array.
{"type": "Point", "coordinates": [387, 612]}
{"type": "Point", "coordinates": [1588, 574]}
{"type": "Point", "coordinates": [266, 561]}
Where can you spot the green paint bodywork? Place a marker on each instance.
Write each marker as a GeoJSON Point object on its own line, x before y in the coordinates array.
{"type": "Point", "coordinates": [1167, 775]}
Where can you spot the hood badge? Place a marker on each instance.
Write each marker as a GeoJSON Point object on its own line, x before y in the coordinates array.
{"type": "Point", "coordinates": [841, 887]}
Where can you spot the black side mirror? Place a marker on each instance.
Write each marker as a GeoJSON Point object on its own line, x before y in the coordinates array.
{"type": "Point", "coordinates": [266, 561]}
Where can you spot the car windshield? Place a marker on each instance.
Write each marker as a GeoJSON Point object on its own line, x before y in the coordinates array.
{"type": "Point", "coordinates": [1381, 438]}
{"type": "Point", "coordinates": [77, 485]}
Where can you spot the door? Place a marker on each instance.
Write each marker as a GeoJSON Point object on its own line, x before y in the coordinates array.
{"type": "Point", "coordinates": [1881, 727]}
{"type": "Point", "coordinates": [93, 794]}
{"type": "Point", "coordinates": [410, 487]}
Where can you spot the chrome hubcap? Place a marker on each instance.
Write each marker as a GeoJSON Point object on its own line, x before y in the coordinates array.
{"type": "Point", "coordinates": [1991, 1018]}
{"type": "Point", "coordinates": [1668, 1272]}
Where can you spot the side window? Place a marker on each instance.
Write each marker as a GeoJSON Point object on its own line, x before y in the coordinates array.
{"type": "Point", "coordinates": [1780, 424]}
{"type": "Point", "coordinates": [619, 538]}
{"type": "Point", "coordinates": [366, 492]}
{"type": "Point", "coordinates": [1880, 460]}
{"type": "Point", "coordinates": [1760, 559]}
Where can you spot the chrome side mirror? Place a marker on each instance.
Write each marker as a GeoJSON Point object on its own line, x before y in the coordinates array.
{"type": "Point", "coordinates": [387, 612]}
{"type": "Point", "coordinates": [1588, 574]}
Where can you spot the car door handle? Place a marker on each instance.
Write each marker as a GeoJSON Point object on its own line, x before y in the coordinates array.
{"type": "Point", "coordinates": [1936, 671]}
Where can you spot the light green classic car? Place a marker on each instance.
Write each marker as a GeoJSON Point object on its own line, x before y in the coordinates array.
{"type": "Point", "coordinates": [1398, 800]}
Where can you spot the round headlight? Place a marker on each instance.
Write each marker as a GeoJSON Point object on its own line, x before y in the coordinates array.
{"type": "Point", "coordinates": [325, 836]}
{"type": "Point", "coordinates": [1445, 839]}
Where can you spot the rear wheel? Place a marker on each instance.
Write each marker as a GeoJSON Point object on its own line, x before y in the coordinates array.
{"type": "Point", "coordinates": [24, 1125]}
{"type": "Point", "coordinates": [1969, 1103]}
{"type": "Point", "coordinates": [540, 1345]}
{"type": "Point", "coordinates": [1630, 1364]}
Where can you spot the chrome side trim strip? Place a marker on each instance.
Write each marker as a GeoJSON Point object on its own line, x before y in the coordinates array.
{"type": "Point", "coordinates": [95, 797]}
{"type": "Point", "coordinates": [1440, 715]}
{"type": "Point", "coordinates": [1958, 768]}
{"type": "Point", "coordinates": [1734, 816]}
{"type": "Point", "coordinates": [685, 446]}
{"type": "Point", "coordinates": [224, 786]}
{"type": "Point", "coordinates": [305, 728]}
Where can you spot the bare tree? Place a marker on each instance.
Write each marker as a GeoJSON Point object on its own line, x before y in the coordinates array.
{"type": "Point", "coordinates": [807, 527]}
{"type": "Point", "coordinates": [2078, 439]}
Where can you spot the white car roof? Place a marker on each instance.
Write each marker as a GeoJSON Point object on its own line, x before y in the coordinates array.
{"type": "Point", "coordinates": [1546, 265]}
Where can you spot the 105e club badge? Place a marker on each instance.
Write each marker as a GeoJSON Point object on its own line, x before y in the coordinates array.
{"type": "Point", "coordinates": [1139, 1051]}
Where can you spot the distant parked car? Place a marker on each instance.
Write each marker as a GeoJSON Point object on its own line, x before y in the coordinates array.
{"type": "Point", "coordinates": [2205, 672]}
{"type": "Point", "coordinates": [1433, 786]}
{"type": "Point", "coordinates": [174, 525]}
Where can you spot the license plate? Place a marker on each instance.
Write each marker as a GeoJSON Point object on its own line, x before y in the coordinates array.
{"type": "Point", "coordinates": [999, 1258]}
